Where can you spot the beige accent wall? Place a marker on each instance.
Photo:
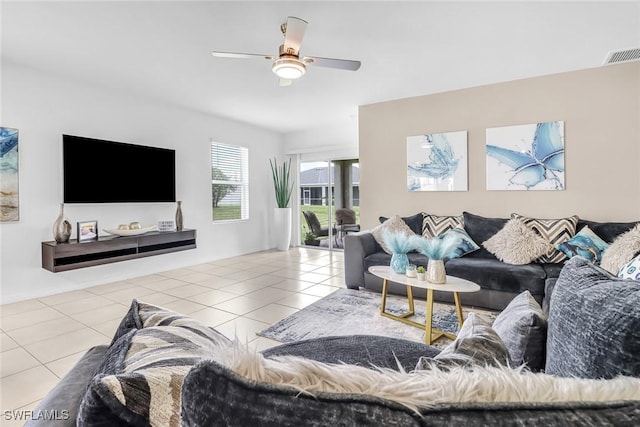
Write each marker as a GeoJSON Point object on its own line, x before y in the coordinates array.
{"type": "Point", "coordinates": [601, 111]}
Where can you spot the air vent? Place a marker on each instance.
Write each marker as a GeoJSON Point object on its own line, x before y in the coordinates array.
{"type": "Point", "coordinates": [626, 55]}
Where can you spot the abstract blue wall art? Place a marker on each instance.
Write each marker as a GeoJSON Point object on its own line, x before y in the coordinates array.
{"type": "Point", "coordinates": [437, 162]}
{"type": "Point", "coordinates": [9, 200]}
{"type": "Point", "coordinates": [526, 157]}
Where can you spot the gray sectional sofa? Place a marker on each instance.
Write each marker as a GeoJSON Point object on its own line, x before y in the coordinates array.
{"type": "Point", "coordinates": [499, 282]}
{"type": "Point", "coordinates": [108, 385]}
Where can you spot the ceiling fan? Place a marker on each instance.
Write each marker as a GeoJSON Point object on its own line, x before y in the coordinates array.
{"type": "Point", "coordinates": [287, 64]}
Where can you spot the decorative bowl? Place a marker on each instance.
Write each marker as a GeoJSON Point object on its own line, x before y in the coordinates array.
{"type": "Point", "coordinates": [142, 230]}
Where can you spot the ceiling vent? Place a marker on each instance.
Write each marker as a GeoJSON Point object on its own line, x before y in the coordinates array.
{"type": "Point", "coordinates": [626, 55]}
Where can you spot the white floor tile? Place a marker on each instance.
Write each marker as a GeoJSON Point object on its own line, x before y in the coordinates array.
{"type": "Point", "coordinates": [212, 316]}
{"type": "Point", "coordinates": [27, 386]}
{"type": "Point", "coordinates": [6, 342]}
{"type": "Point", "coordinates": [298, 300]}
{"type": "Point", "coordinates": [271, 313]}
{"type": "Point", "coordinates": [320, 290]}
{"type": "Point", "coordinates": [20, 307]}
{"type": "Point", "coordinates": [240, 305]}
{"type": "Point", "coordinates": [45, 330]}
{"type": "Point", "coordinates": [65, 345]}
{"type": "Point", "coordinates": [16, 360]}
{"type": "Point", "coordinates": [66, 297]}
{"type": "Point", "coordinates": [29, 318]}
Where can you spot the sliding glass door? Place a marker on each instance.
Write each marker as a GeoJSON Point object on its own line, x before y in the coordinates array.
{"type": "Point", "coordinates": [329, 202]}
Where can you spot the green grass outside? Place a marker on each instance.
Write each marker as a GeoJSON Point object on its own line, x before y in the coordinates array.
{"type": "Point", "coordinates": [226, 212]}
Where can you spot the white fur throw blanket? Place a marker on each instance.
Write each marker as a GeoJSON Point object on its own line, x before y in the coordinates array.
{"type": "Point", "coordinates": [424, 388]}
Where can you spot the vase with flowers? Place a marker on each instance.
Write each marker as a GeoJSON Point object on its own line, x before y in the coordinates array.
{"type": "Point", "coordinates": [399, 244]}
{"type": "Point", "coordinates": [437, 249]}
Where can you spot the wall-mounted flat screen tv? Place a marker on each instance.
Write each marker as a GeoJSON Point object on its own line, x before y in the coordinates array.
{"type": "Point", "coordinates": [99, 171]}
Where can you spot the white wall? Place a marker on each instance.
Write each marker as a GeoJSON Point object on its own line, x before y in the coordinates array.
{"type": "Point", "coordinates": [43, 107]}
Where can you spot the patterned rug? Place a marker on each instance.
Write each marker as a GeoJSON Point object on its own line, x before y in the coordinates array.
{"type": "Point", "coordinates": [350, 311]}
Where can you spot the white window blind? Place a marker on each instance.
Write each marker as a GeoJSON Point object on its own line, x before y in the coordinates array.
{"type": "Point", "coordinates": [229, 182]}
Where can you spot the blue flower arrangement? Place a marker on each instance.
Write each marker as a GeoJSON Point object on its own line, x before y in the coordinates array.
{"type": "Point", "coordinates": [399, 243]}
{"type": "Point", "coordinates": [443, 247]}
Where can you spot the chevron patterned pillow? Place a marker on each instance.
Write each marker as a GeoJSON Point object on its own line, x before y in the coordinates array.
{"type": "Point", "coordinates": [434, 225]}
{"type": "Point", "coordinates": [555, 231]}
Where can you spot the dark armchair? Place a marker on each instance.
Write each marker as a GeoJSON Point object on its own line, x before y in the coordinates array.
{"type": "Point", "coordinates": [346, 221]}
{"type": "Point", "coordinates": [314, 224]}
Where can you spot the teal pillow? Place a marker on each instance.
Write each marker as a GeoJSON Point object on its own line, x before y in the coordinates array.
{"type": "Point", "coordinates": [586, 244]}
{"type": "Point", "coordinates": [465, 243]}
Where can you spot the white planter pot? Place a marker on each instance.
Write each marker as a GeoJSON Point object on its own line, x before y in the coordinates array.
{"type": "Point", "coordinates": [282, 217]}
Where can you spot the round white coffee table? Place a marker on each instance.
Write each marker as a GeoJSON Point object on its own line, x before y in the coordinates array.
{"type": "Point", "coordinates": [453, 284]}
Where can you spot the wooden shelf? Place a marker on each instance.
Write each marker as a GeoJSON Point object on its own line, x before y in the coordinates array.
{"type": "Point", "coordinates": [107, 249]}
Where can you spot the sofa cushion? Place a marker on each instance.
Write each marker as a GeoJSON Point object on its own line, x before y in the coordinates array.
{"type": "Point", "coordinates": [607, 231]}
{"type": "Point", "coordinates": [394, 225]}
{"type": "Point", "coordinates": [621, 251]}
{"type": "Point", "coordinates": [631, 270]}
{"type": "Point", "coordinates": [523, 327]}
{"type": "Point", "coordinates": [435, 225]}
{"type": "Point", "coordinates": [140, 378]}
{"type": "Point", "coordinates": [516, 243]}
{"type": "Point", "coordinates": [476, 344]}
{"type": "Point", "coordinates": [594, 324]}
{"type": "Point", "coordinates": [495, 275]}
{"type": "Point", "coordinates": [555, 231]}
{"type": "Point", "coordinates": [244, 388]}
{"type": "Point", "coordinates": [586, 244]}
{"type": "Point", "coordinates": [414, 222]}
{"type": "Point", "coordinates": [480, 229]}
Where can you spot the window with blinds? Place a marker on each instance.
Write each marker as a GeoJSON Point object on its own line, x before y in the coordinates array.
{"type": "Point", "coordinates": [229, 182]}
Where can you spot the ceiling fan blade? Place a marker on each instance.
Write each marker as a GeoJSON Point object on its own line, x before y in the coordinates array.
{"type": "Point", "coordinates": [285, 82]}
{"type": "Point", "coordinates": [293, 35]}
{"type": "Point", "coordinates": [241, 55]}
{"type": "Point", "coordinates": [343, 64]}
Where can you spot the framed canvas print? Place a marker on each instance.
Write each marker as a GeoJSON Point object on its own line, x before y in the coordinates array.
{"type": "Point", "coordinates": [9, 168]}
{"type": "Point", "coordinates": [87, 231]}
{"type": "Point", "coordinates": [526, 157]}
{"type": "Point", "coordinates": [437, 162]}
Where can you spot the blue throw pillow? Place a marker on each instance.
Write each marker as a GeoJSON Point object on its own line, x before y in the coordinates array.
{"type": "Point", "coordinates": [586, 244]}
{"type": "Point", "coordinates": [465, 243]}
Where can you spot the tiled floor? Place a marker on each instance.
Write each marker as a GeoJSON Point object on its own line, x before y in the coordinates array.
{"type": "Point", "coordinates": [41, 339]}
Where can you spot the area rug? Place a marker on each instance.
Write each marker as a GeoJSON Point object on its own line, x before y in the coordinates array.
{"type": "Point", "coordinates": [357, 312]}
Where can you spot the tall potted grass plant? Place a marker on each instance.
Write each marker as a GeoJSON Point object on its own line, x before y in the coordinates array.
{"type": "Point", "coordinates": [283, 186]}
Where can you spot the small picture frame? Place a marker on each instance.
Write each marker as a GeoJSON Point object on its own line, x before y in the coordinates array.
{"type": "Point", "coordinates": [87, 231]}
{"type": "Point", "coordinates": [168, 225]}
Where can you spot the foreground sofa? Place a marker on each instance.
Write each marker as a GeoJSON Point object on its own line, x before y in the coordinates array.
{"type": "Point", "coordinates": [499, 282]}
{"type": "Point", "coordinates": [163, 368]}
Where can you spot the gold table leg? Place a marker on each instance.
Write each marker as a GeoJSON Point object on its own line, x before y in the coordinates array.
{"type": "Point", "coordinates": [430, 334]}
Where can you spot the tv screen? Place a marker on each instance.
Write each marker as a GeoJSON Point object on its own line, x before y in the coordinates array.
{"type": "Point", "coordinates": [98, 171]}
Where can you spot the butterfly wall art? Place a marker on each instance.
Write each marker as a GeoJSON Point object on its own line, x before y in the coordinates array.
{"type": "Point", "coordinates": [526, 157]}
{"type": "Point", "coordinates": [437, 162]}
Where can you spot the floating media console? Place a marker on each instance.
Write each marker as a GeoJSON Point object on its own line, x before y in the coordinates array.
{"type": "Point", "coordinates": [107, 249]}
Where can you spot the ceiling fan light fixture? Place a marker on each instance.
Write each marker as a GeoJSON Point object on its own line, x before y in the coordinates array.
{"type": "Point", "coordinates": [289, 68]}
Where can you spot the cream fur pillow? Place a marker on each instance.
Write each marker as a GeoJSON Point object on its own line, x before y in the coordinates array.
{"type": "Point", "coordinates": [621, 251]}
{"type": "Point", "coordinates": [423, 388]}
{"type": "Point", "coordinates": [395, 224]}
{"type": "Point", "coordinates": [517, 244]}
